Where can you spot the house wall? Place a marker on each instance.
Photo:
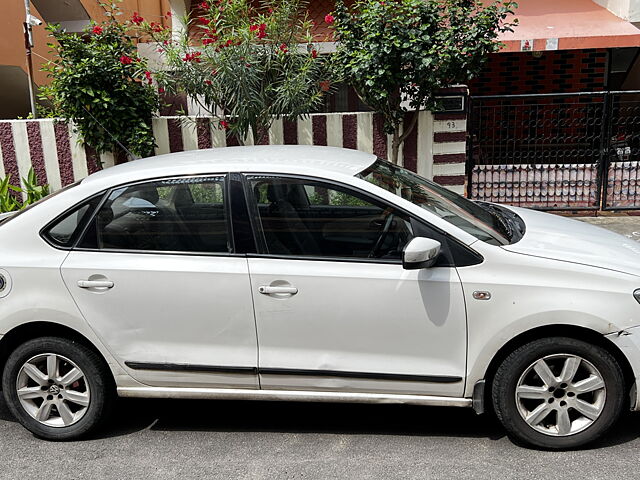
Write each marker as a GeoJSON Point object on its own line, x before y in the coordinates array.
{"type": "Point", "coordinates": [14, 98]}
{"type": "Point", "coordinates": [626, 9]}
{"type": "Point", "coordinates": [555, 71]}
{"type": "Point", "coordinates": [435, 149]}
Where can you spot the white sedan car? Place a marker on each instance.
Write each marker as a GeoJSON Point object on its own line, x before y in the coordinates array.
{"type": "Point", "coordinates": [312, 274]}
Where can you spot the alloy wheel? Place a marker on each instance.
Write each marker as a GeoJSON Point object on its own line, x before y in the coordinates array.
{"type": "Point", "coordinates": [560, 395]}
{"type": "Point", "coordinates": [53, 390]}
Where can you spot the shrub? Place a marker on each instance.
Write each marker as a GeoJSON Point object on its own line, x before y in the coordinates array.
{"type": "Point", "coordinates": [246, 65]}
{"type": "Point", "coordinates": [99, 82]}
{"type": "Point", "coordinates": [10, 194]}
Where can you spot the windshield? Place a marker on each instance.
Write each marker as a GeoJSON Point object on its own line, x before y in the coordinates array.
{"type": "Point", "coordinates": [484, 224]}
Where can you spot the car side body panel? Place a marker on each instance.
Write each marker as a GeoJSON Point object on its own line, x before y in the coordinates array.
{"type": "Point", "coordinates": [529, 292]}
{"type": "Point", "coordinates": [526, 291]}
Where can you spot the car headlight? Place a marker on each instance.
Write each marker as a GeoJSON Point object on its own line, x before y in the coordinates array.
{"type": "Point", "coordinates": [636, 294]}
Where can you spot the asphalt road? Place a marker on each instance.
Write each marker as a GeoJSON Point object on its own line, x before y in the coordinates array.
{"type": "Point", "coordinates": [235, 440]}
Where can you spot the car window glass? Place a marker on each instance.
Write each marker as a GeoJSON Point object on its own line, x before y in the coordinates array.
{"type": "Point", "coordinates": [312, 218]}
{"type": "Point", "coordinates": [64, 231]}
{"type": "Point", "coordinates": [469, 216]}
{"type": "Point", "coordinates": [176, 215]}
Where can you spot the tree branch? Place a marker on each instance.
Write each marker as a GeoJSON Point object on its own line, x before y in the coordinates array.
{"type": "Point", "coordinates": [406, 131]}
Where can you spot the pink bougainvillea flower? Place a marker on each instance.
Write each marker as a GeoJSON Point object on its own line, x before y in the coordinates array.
{"type": "Point", "coordinates": [329, 19]}
{"type": "Point", "coordinates": [125, 60]}
{"type": "Point", "coordinates": [137, 19]}
{"type": "Point", "coordinates": [97, 30]}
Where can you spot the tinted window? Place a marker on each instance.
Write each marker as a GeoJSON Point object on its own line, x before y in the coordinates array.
{"type": "Point", "coordinates": [178, 215]}
{"type": "Point", "coordinates": [65, 230]}
{"type": "Point", "coordinates": [474, 219]}
{"type": "Point", "coordinates": [309, 218]}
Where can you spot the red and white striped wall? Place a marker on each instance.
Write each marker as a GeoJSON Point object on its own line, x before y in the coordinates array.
{"type": "Point", "coordinates": [435, 149]}
{"type": "Point", "coordinates": [51, 148]}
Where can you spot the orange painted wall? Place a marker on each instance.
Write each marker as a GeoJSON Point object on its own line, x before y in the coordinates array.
{"type": "Point", "coordinates": [12, 51]}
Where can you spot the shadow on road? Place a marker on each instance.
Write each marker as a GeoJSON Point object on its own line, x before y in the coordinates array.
{"type": "Point", "coordinates": [135, 415]}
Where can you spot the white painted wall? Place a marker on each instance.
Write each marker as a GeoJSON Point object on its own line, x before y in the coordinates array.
{"type": "Point", "coordinates": [626, 9]}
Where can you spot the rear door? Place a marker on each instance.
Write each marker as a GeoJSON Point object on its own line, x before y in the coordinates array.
{"type": "Point", "coordinates": [335, 310]}
{"type": "Point", "coordinates": [156, 277]}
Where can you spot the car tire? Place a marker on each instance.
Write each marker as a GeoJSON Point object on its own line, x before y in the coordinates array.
{"type": "Point", "coordinates": [68, 404]}
{"type": "Point", "coordinates": [572, 401]}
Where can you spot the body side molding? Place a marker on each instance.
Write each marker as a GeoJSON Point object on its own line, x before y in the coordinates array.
{"type": "Point", "coordinates": [179, 367]}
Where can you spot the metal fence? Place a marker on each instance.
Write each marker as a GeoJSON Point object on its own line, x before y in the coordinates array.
{"type": "Point", "coordinates": [556, 151]}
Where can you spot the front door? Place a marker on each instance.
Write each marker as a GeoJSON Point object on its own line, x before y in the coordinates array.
{"type": "Point", "coordinates": [335, 310]}
{"type": "Point", "coordinates": [155, 277]}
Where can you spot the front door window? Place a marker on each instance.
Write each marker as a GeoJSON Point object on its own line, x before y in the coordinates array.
{"type": "Point", "coordinates": [310, 218]}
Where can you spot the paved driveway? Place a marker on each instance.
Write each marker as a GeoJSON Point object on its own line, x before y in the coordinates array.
{"type": "Point", "coordinates": [230, 440]}
{"type": "Point", "coordinates": [625, 225]}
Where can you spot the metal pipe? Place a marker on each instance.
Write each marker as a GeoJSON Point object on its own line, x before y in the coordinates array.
{"type": "Point", "coordinates": [28, 43]}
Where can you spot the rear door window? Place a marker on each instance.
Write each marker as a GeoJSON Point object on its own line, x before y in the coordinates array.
{"type": "Point", "coordinates": [64, 231]}
{"type": "Point", "coordinates": [172, 215]}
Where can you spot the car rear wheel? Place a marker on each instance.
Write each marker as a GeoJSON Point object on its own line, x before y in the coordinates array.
{"type": "Point", "coordinates": [56, 388]}
{"type": "Point", "coordinates": [558, 393]}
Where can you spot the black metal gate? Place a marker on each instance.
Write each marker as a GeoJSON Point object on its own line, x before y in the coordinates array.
{"type": "Point", "coordinates": [556, 151]}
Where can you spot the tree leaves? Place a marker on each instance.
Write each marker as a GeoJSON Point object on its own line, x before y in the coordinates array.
{"type": "Point", "coordinates": [10, 194]}
{"type": "Point", "coordinates": [399, 54]}
{"type": "Point", "coordinates": [254, 64]}
{"type": "Point", "coordinates": [104, 95]}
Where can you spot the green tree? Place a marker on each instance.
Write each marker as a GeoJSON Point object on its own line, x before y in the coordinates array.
{"type": "Point", "coordinates": [99, 82]}
{"type": "Point", "coordinates": [399, 53]}
{"type": "Point", "coordinates": [245, 65]}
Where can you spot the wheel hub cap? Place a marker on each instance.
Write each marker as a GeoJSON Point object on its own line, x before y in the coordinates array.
{"type": "Point", "coordinates": [560, 395]}
{"type": "Point", "coordinates": [53, 390]}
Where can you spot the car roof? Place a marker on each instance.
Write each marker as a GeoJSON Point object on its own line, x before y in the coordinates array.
{"type": "Point", "coordinates": [299, 159]}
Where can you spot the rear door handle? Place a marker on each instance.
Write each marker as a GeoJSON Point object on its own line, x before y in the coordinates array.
{"type": "Point", "coordinates": [95, 284]}
{"type": "Point", "coordinates": [269, 290]}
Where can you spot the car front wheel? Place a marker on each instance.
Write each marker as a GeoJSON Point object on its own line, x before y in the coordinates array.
{"type": "Point", "coordinates": [558, 393]}
{"type": "Point", "coordinates": [56, 388]}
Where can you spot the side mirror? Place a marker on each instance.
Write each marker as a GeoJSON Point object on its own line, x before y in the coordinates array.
{"type": "Point", "coordinates": [419, 253]}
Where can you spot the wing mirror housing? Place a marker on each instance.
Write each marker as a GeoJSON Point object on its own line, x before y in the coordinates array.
{"type": "Point", "coordinates": [420, 253]}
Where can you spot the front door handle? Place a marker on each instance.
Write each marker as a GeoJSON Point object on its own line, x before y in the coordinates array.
{"type": "Point", "coordinates": [95, 284]}
{"type": "Point", "coordinates": [282, 290]}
